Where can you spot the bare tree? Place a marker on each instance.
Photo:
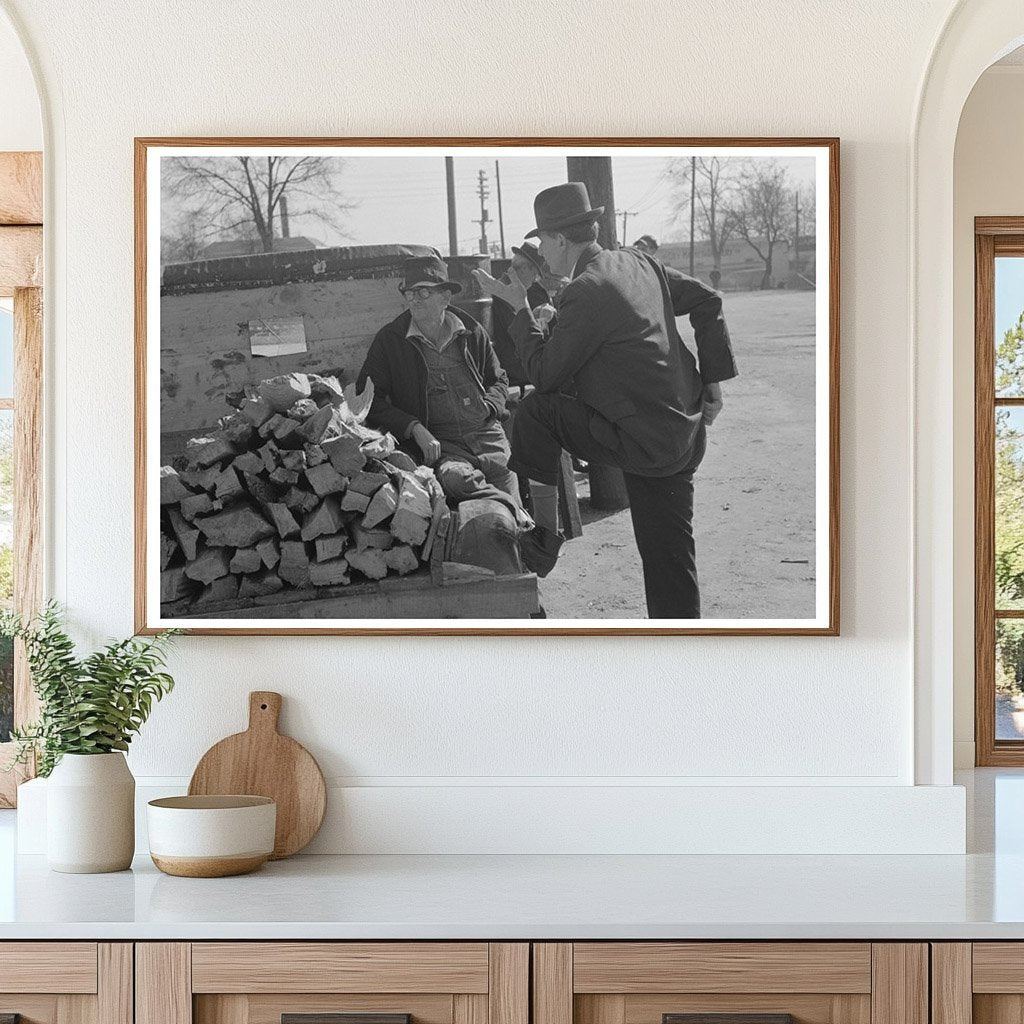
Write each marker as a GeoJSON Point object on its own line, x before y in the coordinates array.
{"type": "Point", "coordinates": [716, 179]}
{"type": "Point", "coordinates": [245, 193]}
{"type": "Point", "coordinates": [763, 209]}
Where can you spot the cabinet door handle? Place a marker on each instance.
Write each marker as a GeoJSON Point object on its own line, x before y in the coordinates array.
{"type": "Point", "coordinates": [338, 1018]}
{"type": "Point", "coordinates": [727, 1018]}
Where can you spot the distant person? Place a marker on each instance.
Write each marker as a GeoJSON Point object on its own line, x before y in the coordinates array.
{"type": "Point", "coordinates": [716, 279]}
{"type": "Point", "coordinates": [647, 244]}
{"type": "Point", "coordinates": [642, 401]}
{"type": "Point", "coordinates": [531, 270]}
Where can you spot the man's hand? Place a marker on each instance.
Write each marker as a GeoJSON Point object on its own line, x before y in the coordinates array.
{"type": "Point", "coordinates": [712, 399]}
{"type": "Point", "coordinates": [514, 293]}
{"type": "Point", "coordinates": [428, 444]}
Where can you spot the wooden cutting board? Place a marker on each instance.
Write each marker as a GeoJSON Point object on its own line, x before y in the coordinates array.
{"type": "Point", "coordinates": [262, 762]}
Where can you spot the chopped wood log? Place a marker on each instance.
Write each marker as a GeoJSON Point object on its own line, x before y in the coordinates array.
{"type": "Point", "coordinates": [220, 590]}
{"type": "Point", "coordinates": [270, 551]}
{"type": "Point", "coordinates": [238, 431]}
{"type": "Point", "coordinates": [228, 485]}
{"type": "Point", "coordinates": [260, 584]}
{"type": "Point", "coordinates": [379, 447]}
{"type": "Point", "coordinates": [316, 425]}
{"type": "Point", "coordinates": [248, 462]}
{"type": "Point", "coordinates": [200, 479]}
{"type": "Point", "coordinates": [325, 479]}
{"type": "Point", "coordinates": [401, 461]}
{"type": "Point", "coordinates": [330, 547]}
{"type": "Point", "coordinates": [411, 520]}
{"type": "Point", "coordinates": [209, 565]}
{"type": "Point", "coordinates": [205, 451]}
{"type": "Point", "coordinates": [238, 527]}
{"type": "Point", "coordinates": [284, 477]}
{"type": "Point", "coordinates": [286, 429]}
{"type": "Point", "coordinates": [367, 483]}
{"type": "Point", "coordinates": [284, 522]}
{"type": "Point", "coordinates": [382, 505]}
{"type": "Point", "coordinates": [245, 560]}
{"type": "Point", "coordinates": [293, 459]}
{"type": "Point", "coordinates": [365, 538]}
{"type": "Point", "coordinates": [188, 536]}
{"type": "Point", "coordinates": [269, 453]}
{"type": "Point", "coordinates": [331, 573]}
{"type": "Point", "coordinates": [172, 489]}
{"type": "Point", "coordinates": [294, 565]}
{"type": "Point", "coordinates": [345, 454]}
{"type": "Point", "coordinates": [268, 428]}
{"type": "Point", "coordinates": [438, 505]}
{"type": "Point", "coordinates": [402, 559]}
{"type": "Point", "coordinates": [370, 562]}
{"type": "Point", "coordinates": [261, 490]}
{"type": "Point", "coordinates": [353, 501]}
{"type": "Point", "coordinates": [281, 393]}
{"type": "Point", "coordinates": [303, 409]}
{"type": "Point", "coordinates": [256, 410]}
{"type": "Point", "coordinates": [452, 572]}
{"type": "Point", "coordinates": [300, 501]}
{"type": "Point", "coordinates": [168, 547]}
{"type": "Point", "coordinates": [174, 584]}
{"type": "Point", "coordinates": [315, 455]}
{"type": "Point", "coordinates": [323, 521]}
{"type": "Point", "coordinates": [197, 505]}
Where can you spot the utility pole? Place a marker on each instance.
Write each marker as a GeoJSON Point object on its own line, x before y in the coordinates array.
{"type": "Point", "coordinates": [483, 192]}
{"type": "Point", "coordinates": [453, 231]}
{"type": "Point", "coordinates": [607, 486]}
{"type": "Point", "coordinates": [625, 217]}
{"type": "Point", "coordinates": [501, 219]}
{"type": "Point", "coordinates": [796, 234]}
{"type": "Point", "coordinates": [283, 206]}
{"type": "Point", "coordinates": [693, 199]}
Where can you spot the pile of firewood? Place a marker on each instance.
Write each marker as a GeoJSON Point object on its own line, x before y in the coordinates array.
{"type": "Point", "coordinates": [291, 492]}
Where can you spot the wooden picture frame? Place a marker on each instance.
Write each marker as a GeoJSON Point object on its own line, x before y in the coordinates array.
{"type": "Point", "coordinates": [815, 573]}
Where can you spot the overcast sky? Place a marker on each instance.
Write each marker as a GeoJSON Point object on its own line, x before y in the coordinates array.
{"type": "Point", "coordinates": [403, 198]}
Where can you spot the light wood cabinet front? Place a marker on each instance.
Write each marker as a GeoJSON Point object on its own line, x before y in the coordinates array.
{"type": "Point", "coordinates": [735, 982]}
{"type": "Point", "coordinates": [264, 982]}
{"type": "Point", "coordinates": [66, 982]}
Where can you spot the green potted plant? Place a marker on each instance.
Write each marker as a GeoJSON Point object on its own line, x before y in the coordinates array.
{"type": "Point", "coordinates": [89, 710]}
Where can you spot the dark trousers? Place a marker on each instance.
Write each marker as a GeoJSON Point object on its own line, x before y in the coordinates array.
{"type": "Point", "coordinates": [661, 506]}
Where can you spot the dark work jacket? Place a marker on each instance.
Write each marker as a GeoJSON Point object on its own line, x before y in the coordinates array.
{"type": "Point", "coordinates": [616, 339]}
{"type": "Point", "coordinates": [502, 315]}
{"type": "Point", "coordinates": [399, 373]}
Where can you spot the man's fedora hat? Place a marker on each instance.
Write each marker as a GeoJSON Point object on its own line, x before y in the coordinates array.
{"type": "Point", "coordinates": [426, 272]}
{"type": "Point", "coordinates": [531, 252]}
{"type": "Point", "coordinates": [649, 240]}
{"type": "Point", "coordinates": [561, 206]}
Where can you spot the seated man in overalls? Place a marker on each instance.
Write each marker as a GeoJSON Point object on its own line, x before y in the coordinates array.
{"type": "Point", "coordinates": [438, 384]}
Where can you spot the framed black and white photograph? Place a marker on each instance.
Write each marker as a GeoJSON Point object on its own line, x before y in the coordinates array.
{"type": "Point", "coordinates": [491, 386]}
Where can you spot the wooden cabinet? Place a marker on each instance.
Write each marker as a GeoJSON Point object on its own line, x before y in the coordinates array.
{"type": "Point", "coordinates": [264, 982]}
{"type": "Point", "coordinates": [653, 982]}
{"type": "Point", "coordinates": [66, 982]}
{"type": "Point", "coordinates": [977, 983]}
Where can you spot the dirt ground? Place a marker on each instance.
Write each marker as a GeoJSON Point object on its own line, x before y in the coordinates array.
{"type": "Point", "coordinates": [754, 514]}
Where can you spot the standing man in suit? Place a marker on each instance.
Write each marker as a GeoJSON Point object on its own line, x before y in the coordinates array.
{"type": "Point", "coordinates": [641, 400]}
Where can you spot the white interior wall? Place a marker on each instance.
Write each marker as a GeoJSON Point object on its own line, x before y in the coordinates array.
{"type": "Point", "coordinates": [438, 715]}
{"type": "Point", "coordinates": [987, 181]}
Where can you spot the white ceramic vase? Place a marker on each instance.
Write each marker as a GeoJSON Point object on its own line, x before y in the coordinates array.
{"type": "Point", "coordinates": [90, 814]}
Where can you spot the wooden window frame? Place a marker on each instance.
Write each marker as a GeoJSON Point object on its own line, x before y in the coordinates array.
{"type": "Point", "coordinates": [21, 278]}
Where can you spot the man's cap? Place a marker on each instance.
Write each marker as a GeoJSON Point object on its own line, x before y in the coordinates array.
{"type": "Point", "coordinates": [562, 206]}
{"type": "Point", "coordinates": [649, 240]}
{"type": "Point", "coordinates": [531, 251]}
{"type": "Point", "coordinates": [426, 272]}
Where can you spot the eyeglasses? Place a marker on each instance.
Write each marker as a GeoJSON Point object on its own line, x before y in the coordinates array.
{"type": "Point", "coordinates": [422, 294]}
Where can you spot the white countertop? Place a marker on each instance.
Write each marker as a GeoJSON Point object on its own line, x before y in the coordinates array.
{"type": "Point", "coordinates": [977, 896]}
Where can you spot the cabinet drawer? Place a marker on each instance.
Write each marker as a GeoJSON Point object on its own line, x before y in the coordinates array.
{"type": "Point", "coordinates": [730, 983]}
{"type": "Point", "coordinates": [65, 967]}
{"type": "Point", "coordinates": [332, 983]}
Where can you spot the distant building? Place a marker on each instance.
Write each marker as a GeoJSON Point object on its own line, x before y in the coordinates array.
{"type": "Point", "coordinates": [251, 246]}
